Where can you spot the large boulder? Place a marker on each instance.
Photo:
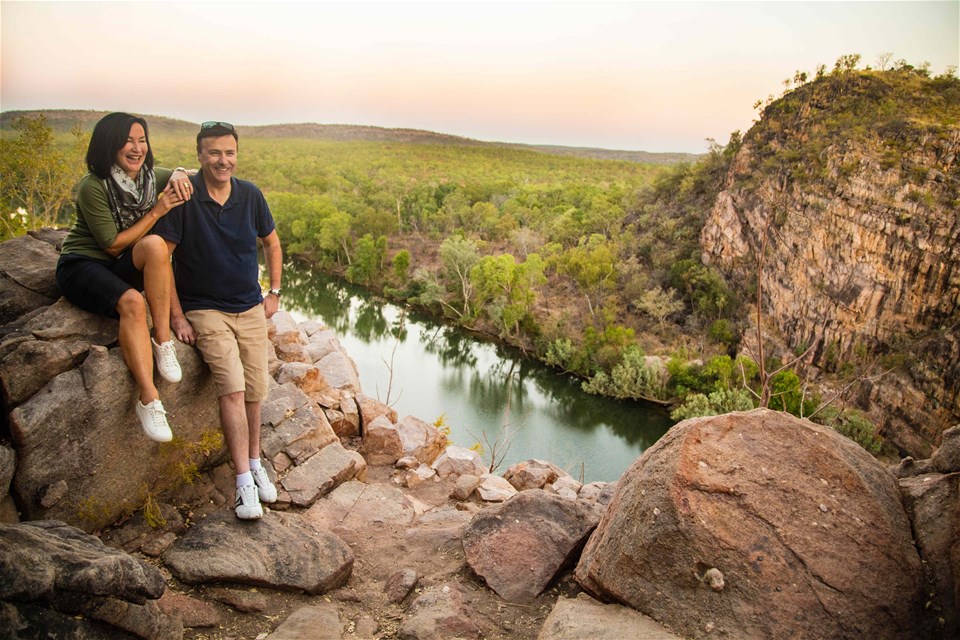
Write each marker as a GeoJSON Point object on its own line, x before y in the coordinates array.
{"type": "Point", "coordinates": [293, 424]}
{"type": "Point", "coordinates": [280, 551]}
{"type": "Point", "coordinates": [519, 546]}
{"type": "Point", "coordinates": [933, 502]}
{"type": "Point", "coordinates": [762, 525]}
{"type": "Point", "coordinates": [27, 269]}
{"type": "Point", "coordinates": [59, 582]}
{"type": "Point", "coordinates": [46, 560]}
{"type": "Point", "coordinates": [82, 456]}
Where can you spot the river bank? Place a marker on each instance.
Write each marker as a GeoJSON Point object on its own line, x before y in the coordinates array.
{"type": "Point", "coordinates": [484, 392]}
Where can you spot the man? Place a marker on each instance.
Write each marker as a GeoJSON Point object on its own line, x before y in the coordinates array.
{"type": "Point", "coordinates": [219, 306]}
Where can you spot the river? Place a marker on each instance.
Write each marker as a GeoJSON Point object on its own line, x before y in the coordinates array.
{"type": "Point", "coordinates": [484, 392]}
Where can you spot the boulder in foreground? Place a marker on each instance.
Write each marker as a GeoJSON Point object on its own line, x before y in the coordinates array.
{"type": "Point", "coordinates": [762, 525]}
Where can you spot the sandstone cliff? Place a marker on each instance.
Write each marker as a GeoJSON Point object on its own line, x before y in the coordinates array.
{"type": "Point", "coordinates": [853, 181]}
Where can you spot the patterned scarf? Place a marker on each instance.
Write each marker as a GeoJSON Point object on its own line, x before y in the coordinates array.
{"type": "Point", "coordinates": [130, 199]}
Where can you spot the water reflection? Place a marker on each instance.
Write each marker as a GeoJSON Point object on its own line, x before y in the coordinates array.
{"type": "Point", "coordinates": [486, 392]}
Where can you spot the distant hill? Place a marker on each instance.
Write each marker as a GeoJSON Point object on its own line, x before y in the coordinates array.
{"type": "Point", "coordinates": [63, 120]}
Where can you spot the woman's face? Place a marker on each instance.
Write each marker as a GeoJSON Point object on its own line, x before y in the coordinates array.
{"type": "Point", "coordinates": [131, 156]}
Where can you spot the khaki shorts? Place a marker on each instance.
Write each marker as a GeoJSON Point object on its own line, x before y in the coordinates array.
{"type": "Point", "coordinates": [234, 346]}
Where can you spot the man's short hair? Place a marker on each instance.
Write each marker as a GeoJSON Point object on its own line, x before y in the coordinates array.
{"type": "Point", "coordinates": [215, 129]}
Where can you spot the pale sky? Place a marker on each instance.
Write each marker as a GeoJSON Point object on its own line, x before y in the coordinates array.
{"type": "Point", "coordinates": [651, 76]}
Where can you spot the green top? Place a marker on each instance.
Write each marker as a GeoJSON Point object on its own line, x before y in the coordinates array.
{"type": "Point", "coordinates": [95, 228]}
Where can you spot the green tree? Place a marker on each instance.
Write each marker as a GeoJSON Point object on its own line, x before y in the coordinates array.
{"type": "Point", "coordinates": [334, 235]}
{"type": "Point", "coordinates": [367, 259]}
{"type": "Point", "coordinates": [659, 304]}
{"type": "Point", "coordinates": [714, 404]}
{"type": "Point", "coordinates": [36, 177]}
{"type": "Point", "coordinates": [457, 257]}
{"type": "Point", "coordinates": [592, 265]}
{"type": "Point", "coordinates": [401, 265]}
{"type": "Point", "coordinates": [632, 378]}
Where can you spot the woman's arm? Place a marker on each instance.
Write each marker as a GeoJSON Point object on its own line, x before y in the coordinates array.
{"type": "Point", "coordinates": [166, 200]}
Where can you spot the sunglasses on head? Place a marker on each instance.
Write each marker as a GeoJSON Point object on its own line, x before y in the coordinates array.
{"type": "Point", "coordinates": [210, 124]}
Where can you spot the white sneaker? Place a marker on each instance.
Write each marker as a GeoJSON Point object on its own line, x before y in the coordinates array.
{"type": "Point", "coordinates": [248, 505]}
{"type": "Point", "coordinates": [265, 488]}
{"type": "Point", "coordinates": [165, 355]}
{"type": "Point", "coordinates": [153, 419]}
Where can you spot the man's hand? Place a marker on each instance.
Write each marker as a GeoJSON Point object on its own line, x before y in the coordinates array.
{"type": "Point", "coordinates": [271, 304]}
{"type": "Point", "coordinates": [180, 182]}
{"type": "Point", "coordinates": [183, 330]}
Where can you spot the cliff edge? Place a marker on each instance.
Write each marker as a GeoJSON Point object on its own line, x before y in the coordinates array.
{"type": "Point", "coordinates": [850, 185]}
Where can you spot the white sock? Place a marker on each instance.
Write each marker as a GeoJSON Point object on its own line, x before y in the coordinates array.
{"type": "Point", "coordinates": [255, 464]}
{"type": "Point", "coordinates": [244, 479]}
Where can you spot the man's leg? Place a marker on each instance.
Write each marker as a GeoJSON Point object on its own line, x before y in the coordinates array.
{"type": "Point", "coordinates": [234, 421]}
{"type": "Point", "coordinates": [253, 428]}
{"type": "Point", "coordinates": [217, 340]}
{"type": "Point", "coordinates": [265, 487]}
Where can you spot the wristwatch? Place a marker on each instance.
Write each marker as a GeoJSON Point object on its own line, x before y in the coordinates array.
{"type": "Point", "coordinates": [275, 292]}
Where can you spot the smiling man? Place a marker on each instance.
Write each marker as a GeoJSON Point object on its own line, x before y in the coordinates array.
{"type": "Point", "coordinates": [221, 307]}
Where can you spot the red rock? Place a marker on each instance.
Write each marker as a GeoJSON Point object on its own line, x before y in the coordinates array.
{"type": "Point", "coordinates": [806, 528]}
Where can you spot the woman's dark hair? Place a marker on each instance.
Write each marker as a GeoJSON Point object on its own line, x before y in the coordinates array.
{"type": "Point", "coordinates": [109, 136]}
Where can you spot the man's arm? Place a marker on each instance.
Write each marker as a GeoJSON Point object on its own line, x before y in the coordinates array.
{"type": "Point", "coordinates": [182, 328]}
{"type": "Point", "coordinates": [273, 255]}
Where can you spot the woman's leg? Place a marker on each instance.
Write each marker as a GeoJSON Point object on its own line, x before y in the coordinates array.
{"type": "Point", "coordinates": [150, 255]}
{"type": "Point", "coordinates": [135, 343]}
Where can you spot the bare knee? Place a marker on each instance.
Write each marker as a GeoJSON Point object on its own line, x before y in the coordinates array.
{"type": "Point", "coordinates": [132, 307]}
{"type": "Point", "coordinates": [151, 250]}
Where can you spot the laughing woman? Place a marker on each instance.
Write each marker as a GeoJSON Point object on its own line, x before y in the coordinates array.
{"type": "Point", "coordinates": [108, 258]}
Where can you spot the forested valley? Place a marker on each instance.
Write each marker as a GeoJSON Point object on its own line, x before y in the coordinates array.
{"type": "Point", "coordinates": [590, 265]}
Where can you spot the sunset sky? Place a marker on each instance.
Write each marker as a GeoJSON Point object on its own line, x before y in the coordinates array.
{"type": "Point", "coordinates": [623, 75]}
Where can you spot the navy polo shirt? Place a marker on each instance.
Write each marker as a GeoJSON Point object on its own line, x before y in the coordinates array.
{"type": "Point", "coordinates": [215, 262]}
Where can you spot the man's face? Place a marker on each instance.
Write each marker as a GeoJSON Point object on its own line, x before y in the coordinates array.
{"type": "Point", "coordinates": [218, 157]}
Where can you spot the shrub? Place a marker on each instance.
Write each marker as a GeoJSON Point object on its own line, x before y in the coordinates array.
{"type": "Point", "coordinates": [718, 402]}
{"type": "Point", "coordinates": [630, 379]}
{"type": "Point", "coordinates": [854, 425]}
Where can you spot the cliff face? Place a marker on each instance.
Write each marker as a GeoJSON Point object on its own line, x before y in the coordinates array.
{"type": "Point", "coordinates": [854, 181]}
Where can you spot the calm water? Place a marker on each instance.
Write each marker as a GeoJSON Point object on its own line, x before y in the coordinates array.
{"type": "Point", "coordinates": [485, 392]}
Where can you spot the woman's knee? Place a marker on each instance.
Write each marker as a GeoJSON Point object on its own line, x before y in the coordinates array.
{"type": "Point", "coordinates": [131, 305]}
{"type": "Point", "coordinates": [150, 249]}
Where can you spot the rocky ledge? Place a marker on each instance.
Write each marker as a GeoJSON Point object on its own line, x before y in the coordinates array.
{"type": "Point", "coordinates": [748, 525]}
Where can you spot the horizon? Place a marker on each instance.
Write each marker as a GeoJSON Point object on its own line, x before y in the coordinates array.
{"type": "Point", "coordinates": [626, 76]}
{"type": "Point", "coordinates": [149, 116]}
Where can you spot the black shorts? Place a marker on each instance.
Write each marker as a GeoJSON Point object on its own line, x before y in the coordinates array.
{"type": "Point", "coordinates": [96, 285]}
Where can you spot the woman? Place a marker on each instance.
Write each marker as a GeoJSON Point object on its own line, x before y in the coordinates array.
{"type": "Point", "coordinates": [108, 259]}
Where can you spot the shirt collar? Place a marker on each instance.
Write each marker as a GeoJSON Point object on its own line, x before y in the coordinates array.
{"type": "Point", "coordinates": [201, 190]}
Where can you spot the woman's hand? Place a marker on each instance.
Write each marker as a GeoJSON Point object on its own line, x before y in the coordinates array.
{"type": "Point", "coordinates": [180, 181]}
{"type": "Point", "coordinates": [167, 200]}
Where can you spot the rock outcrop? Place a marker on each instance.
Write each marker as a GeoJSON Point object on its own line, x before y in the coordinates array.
{"type": "Point", "coordinates": [759, 525]}
{"type": "Point", "coordinates": [519, 546]}
{"type": "Point", "coordinates": [861, 238]}
{"type": "Point", "coordinates": [81, 455]}
{"type": "Point", "coordinates": [68, 584]}
{"type": "Point", "coordinates": [280, 552]}
{"type": "Point", "coordinates": [931, 492]}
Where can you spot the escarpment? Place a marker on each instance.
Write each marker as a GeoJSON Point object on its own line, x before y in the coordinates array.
{"type": "Point", "coordinates": [850, 186]}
